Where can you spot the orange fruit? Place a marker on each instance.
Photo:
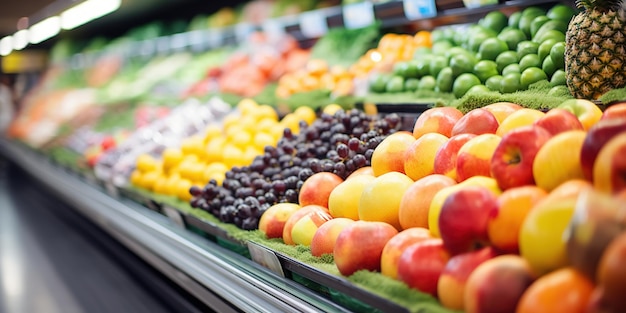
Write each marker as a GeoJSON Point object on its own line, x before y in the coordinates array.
{"type": "Point", "coordinates": [564, 290]}
{"type": "Point", "coordinates": [423, 39]}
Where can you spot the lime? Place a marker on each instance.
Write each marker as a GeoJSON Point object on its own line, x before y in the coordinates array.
{"type": "Point", "coordinates": [545, 47]}
{"type": "Point", "coordinates": [551, 34]}
{"type": "Point", "coordinates": [423, 65]}
{"type": "Point", "coordinates": [485, 69]}
{"type": "Point", "coordinates": [411, 70]}
{"type": "Point", "coordinates": [512, 37]}
{"type": "Point", "coordinates": [420, 51]}
{"type": "Point", "coordinates": [527, 18]}
{"type": "Point", "coordinates": [561, 12]}
{"type": "Point", "coordinates": [548, 28]}
{"type": "Point", "coordinates": [548, 66]}
{"type": "Point", "coordinates": [526, 47]}
{"type": "Point", "coordinates": [511, 69]}
{"type": "Point", "coordinates": [399, 69]}
{"type": "Point", "coordinates": [395, 84]}
{"type": "Point", "coordinates": [558, 78]}
{"type": "Point", "coordinates": [475, 40]}
{"type": "Point", "coordinates": [529, 60]}
{"type": "Point", "coordinates": [505, 58]}
{"type": "Point", "coordinates": [536, 23]}
{"type": "Point", "coordinates": [463, 83]}
{"type": "Point", "coordinates": [411, 84]}
{"type": "Point", "coordinates": [510, 83]}
{"type": "Point", "coordinates": [437, 62]}
{"type": "Point", "coordinates": [491, 48]}
{"type": "Point", "coordinates": [478, 89]}
{"type": "Point", "coordinates": [456, 51]}
{"type": "Point", "coordinates": [514, 19]}
{"type": "Point", "coordinates": [532, 75]}
{"type": "Point", "coordinates": [444, 80]}
{"type": "Point", "coordinates": [437, 35]}
{"type": "Point", "coordinates": [493, 82]}
{"type": "Point", "coordinates": [557, 53]}
{"type": "Point", "coordinates": [462, 63]}
{"type": "Point", "coordinates": [427, 83]}
{"type": "Point", "coordinates": [494, 20]}
{"type": "Point", "coordinates": [441, 46]}
{"type": "Point", "coordinates": [532, 10]}
{"type": "Point", "coordinates": [378, 83]}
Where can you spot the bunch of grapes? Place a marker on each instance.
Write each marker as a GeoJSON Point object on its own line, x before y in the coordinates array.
{"type": "Point", "coordinates": [339, 143]}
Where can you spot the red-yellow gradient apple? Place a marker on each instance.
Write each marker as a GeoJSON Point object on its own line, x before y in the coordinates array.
{"type": "Point", "coordinates": [497, 285]}
{"type": "Point", "coordinates": [389, 154]}
{"type": "Point", "coordinates": [436, 120]}
{"type": "Point", "coordinates": [451, 285]}
{"type": "Point", "coordinates": [305, 228]}
{"type": "Point", "coordinates": [502, 109]}
{"type": "Point", "coordinates": [273, 220]}
{"type": "Point", "coordinates": [297, 215]}
{"type": "Point", "coordinates": [380, 200]}
{"type": "Point", "coordinates": [512, 161]}
{"type": "Point", "coordinates": [609, 170]}
{"type": "Point", "coordinates": [323, 241]}
{"type": "Point", "coordinates": [421, 264]}
{"type": "Point", "coordinates": [513, 206]}
{"type": "Point", "coordinates": [360, 245]}
{"type": "Point", "coordinates": [317, 188]}
{"type": "Point", "coordinates": [558, 160]}
{"type": "Point", "coordinates": [464, 218]}
{"type": "Point", "coordinates": [617, 110]}
{"type": "Point", "coordinates": [477, 121]}
{"type": "Point", "coordinates": [419, 159]}
{"type": "Point", "coordinates": [519, 118]}
{"type": "Point", "coordinates": [611, 275]}
{"type": "Point", "coordinates": [396, 245]}
{"type": "Point", "coordinates": [474, 158]}
{"type": "Point", "coordinates": [416, 201]}
{"type": "Point", "coordinates": [344, 199]}
{"type": "Point", "coordinates": [445, 159]}
{"type": "Point", "coordinates": [558, 120]}
{"type": "Point", "coordinates": [597, 136]}
{"type": "Point", "coordinates": [588, 113]}
{"type": "Point", "coordinates": [365, 170]}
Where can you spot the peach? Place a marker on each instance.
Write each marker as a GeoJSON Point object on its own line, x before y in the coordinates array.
{"type": "Point", "coordinates": [558, 160]}
{"type": "Point", "coordinates": [305, 228]}
{"type": "Point", "coordinates": [519, 118]}
{"type": "Point", "coordinates": [360, 245]}
{"type": "Point", "coordinates": [396, 245]}
{"type": "Point", "coordinates": [446, 157]}
{"type": "Point", "coordinates": [323, 241]}
{"type": "Point", "coordinates": [273, 220]}
{"type": "Point", "coordinates": [416, 201]}
{"type": "Point", "coordinates": [513, 207]}
{"type": "Point", "coordinates": [297, 215]}
{"type": "Point", "coordinates": [344, 199]}
{"type": "Point", "coordinates": [609, 168]}
{"type": "Point", "coordinates": [497, 285]}
{"type": "Point", "coordinates": [389, 154]}
{"type": "Point", "coordinates": [477, 121]}
{"type": "Point", "coordinates": [437, 120]}
{"type": "Point", "coordinates": [502, 109]}
{"type": "Point", "coordinates": [317, 188]}
{"type": "Point", "coordinates": [380, 200]}
{"type": "Point", "coordinates": [474, 158]}
{"type": "Point", "coordinates": [419, 158]}
{"type": "Point", "coordinates": [421, 264]}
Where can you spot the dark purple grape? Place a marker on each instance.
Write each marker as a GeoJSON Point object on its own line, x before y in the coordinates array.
{"type": "Point", "coordinates": [279, 186]}
{"type": "Point", "coordinates": [359, 160]}
{"type": "Point", "coordinates": [287, 133]}
{"type": "Point", "coordinates": [315, 165]}
{"type": "Point", "coordinates": [250, 223]}
{"type": "Point", "coordinates": [305, 173]}
{"type": "Point", "coordinates": [343, 150]}
{"type": "Point", "coordinates": [291, 195]}
{"type": "Point", "coordinates": [354, 144]}
{"type": "Point", "coordinates": [270, 198]}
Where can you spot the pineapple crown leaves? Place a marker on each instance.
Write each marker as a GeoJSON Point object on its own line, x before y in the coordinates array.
{"type": "Point", "coordinates": [602, 5]}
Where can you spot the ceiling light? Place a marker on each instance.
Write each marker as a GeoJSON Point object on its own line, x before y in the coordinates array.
{"type": "Point", "coordinates": [87, 11]}
{"type": "Point", "coordinates": [20, 39]}
{"type": "Point", "coordinates": [45, 29]}
{"type": "Point", "coordinates": [6, 45]}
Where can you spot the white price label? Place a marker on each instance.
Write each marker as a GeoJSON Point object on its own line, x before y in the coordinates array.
{"type": "Point", "coordinates": [242, 31]}
{"type": "Point", "coordinates": [273, 28]}
{"type": "Point", "coordinates": [416, 9]}
{"type": "Point", "coordinates": [313, 24]}
{"type": "Point", "coordinates": [265, 257]}
{"type": "Point", "coordinates": [358, 15]}
{"type": "Point", "coordinates": [174, 216]}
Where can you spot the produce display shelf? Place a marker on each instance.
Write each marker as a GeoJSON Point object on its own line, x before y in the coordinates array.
{"type": "Point", "coordinates": [221, 279]}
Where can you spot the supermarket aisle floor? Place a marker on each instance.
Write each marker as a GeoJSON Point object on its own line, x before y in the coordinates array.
{"type": "Point", "coordinates": [47, 265]}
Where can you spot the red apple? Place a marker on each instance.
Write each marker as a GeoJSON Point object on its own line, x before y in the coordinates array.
{"type": "Point", "coordinates": [559, 120]}
{"type": "Point", "coordinates": [396, 245]}
{"type": "Point", "coordinates": [445, 159]}
{"type": "Point", "coordinates": [305, 228]}
{"type": "Point", "coordinates": [421, 264]}
{"type": "Point", "coordinates": [273, 220]}
{"type": "Point", "coordinates": [317, 188]}
{"type": "Point", "coordinates": [617, 110]}
{"type": "Point", "coordinates": [588, 113]}
{"type": "Point", "coordinates": [296, 216]}
{"type": "Point", "coordinates": [326, 235]}
{"type": "Point", "coordinates": [474, 158]}
{"type": "Point", "coordinates": [609, 169]}
{"type": "Point", "coordinates": [502, 109]}
{"type": "Point", "coordinates": [451, 286]}
{"type": "Point", "coordinates": [360, 245]}
{"type": "Point", "coordinates": [478, 121]}
{"type": "Point", "coordinates": [436, 120]}
{"type": "Point", "coordinates": [597, 136]}
{"type": "Point", "coordinates": [464, 218]}
{"type": "Point", "coordinates": [512, 162]}
{"type": "Point", "coordinates": [611, 275]}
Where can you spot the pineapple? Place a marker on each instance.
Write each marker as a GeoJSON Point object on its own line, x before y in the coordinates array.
{"type": "Point", "coordinates": [595, 53]}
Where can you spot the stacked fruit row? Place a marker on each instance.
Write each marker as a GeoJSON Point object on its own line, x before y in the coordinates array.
{"type": "Point", "coordinates": [502, 207]}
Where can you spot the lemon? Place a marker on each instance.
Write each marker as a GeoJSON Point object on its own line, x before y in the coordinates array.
{"type": "Point", "coordinates": [182, 189]}
{"type": "Point", "coordinates": [146, 163]}
{"type": "Point", "coordinates": [263, 139]}
{"type": "Point", "coordinates": [171, 157]}
{"type": "Point", "coordinates": [306, 113]}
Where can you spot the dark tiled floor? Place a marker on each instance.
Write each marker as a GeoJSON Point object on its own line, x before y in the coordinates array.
{"type": "Point", "coordinates": [48, 264]}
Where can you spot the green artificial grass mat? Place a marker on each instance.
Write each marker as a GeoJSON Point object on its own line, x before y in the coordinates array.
{"type": "Point", "coordinates": [421, 96]}
{"type": "Point", "coordinates": [613, 96]}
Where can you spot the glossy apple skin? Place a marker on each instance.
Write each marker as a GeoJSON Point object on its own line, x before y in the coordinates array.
{"type": "Point", "coordinates": [502, 109]}
{"type": "Point", "coordinates": [389, 154]}
{"type": "Point", "coordinates": [317, 188]}
{"type": "Point", "coordinates": [396, 245]}
{"type": "Point", "coordinates": [611, 275]}
{"type": "Point", "coordinates": [464, 219]}
{"type": "Point", "coordinates": [478, 121]}
{"type": "Point", "coordinates": [305, 228]}
{"type": "Point", "coordinates": [416, 200]}
{"type": "Point", "coordinates": [421, 264]}
{"type": "Point", "coordinates": [617, 110]}
{"type": "Point", "coordinates": [451, 285]}
{"type": "Point", "coordinates": [609, 170]}
{"type": "Point", "coordinates": [557, 161]}
{"type": "Point", "coordinates": [519, 118]}
{"type": "Point", "coordinates": [596, 138]}
{"type": "Point", "coordinates": [512, 161]}
{"type": "Point", "coordinates": [419, 159]}
{"type": "Point", "coordinates": [559, 120]}
{"type": "Point", "coordinates": [474, 158]}
{"type": "Point", "coordinates": [273, 220]}
{"type": "Point", "coordinates": [588, 113]}
{"type": "Point", "coordinates": [296, 216]}
{"type": "Point", "coordinates": [445, 159]}
{"type": "Point", "coordinates": [436, 120]}
{"type": "Point", "coordinates": [360, 245]}
{"type": "Point", "coordinates": [326, 235]}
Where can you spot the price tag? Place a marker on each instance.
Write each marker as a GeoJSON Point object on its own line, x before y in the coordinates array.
{"type": "Point", "coordinates": [174, 215]}
{"type": "Point", "coordinates": [273, 28]}
{"type": "Point", "coordinates": [416, 9]}
{"type": "Point", "coordinates": [358, 15]}
{"type": "Point", "coordinates": [265, 257]}
{"type": "Point", "coordinates": [242, 31]}
{"type": "Point", "coordinates": [313, 24]}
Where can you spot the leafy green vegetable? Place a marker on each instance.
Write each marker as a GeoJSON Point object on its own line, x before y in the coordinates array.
{"type": "Point", "coordinates": [342, 46]}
